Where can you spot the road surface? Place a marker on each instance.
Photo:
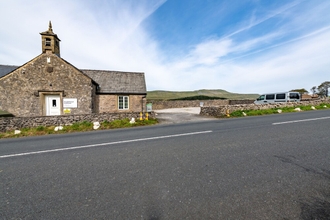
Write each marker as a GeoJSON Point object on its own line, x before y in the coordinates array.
{"type": "Point", "coordinates": [270, 167]}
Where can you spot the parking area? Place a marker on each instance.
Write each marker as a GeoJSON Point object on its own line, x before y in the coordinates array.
{"type": "Point", "coordinates": [180, 115]}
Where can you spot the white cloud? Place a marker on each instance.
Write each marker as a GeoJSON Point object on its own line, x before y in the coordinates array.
{"type": "Point", "coordinates": [253, 21]}
{"type": "Point", "coordinates": [244, 66]}
{"type": "Point", "coordinates": [110, 35]}
{"type": "Point", "coordinates": [209, 52]}
{"type": "Point", "coordinates": [300, 64]}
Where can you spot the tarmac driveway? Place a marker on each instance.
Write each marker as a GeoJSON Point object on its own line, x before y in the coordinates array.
{"type": "Point", "coordinates": [180, 115]}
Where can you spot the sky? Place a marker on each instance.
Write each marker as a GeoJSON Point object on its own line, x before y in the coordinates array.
{"type": "Point", "coordinates": [241, 46]}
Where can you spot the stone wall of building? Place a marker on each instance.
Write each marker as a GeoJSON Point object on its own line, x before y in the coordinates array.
{"type": "Point", "coordinates": [221, 110]}
{"type": "Point", "coordinates": [109, 103]}
{"type": "Point", "coordinates": [157, 105]}
{"type": "Point", "coordinates": [106, 103]}
{"type": "Point", "coordinates": [137, 103]}
{"type": "Point", "coordinates": [95, 106]}
{"type": "Point", "coordinates": [12, 123]}
{"type": "Point", "coordinates": [23, 91]}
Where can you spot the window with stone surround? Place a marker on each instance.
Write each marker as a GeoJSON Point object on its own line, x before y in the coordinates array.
{"type": "Point", "coordinates": [123, 102]}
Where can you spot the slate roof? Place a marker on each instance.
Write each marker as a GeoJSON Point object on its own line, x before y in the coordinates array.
{"type": "Point", "coordinates": [109, 81]}
{"type": "Point", "coordinates": [118, 82]}
{"type": "Point", "coordinates": [4, 69]}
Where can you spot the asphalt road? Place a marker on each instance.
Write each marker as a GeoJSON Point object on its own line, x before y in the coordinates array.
{"type": "Point", "coordinates": [270, 167]}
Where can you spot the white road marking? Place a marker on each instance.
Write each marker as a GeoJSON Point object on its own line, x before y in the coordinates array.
{"type": "Point", "coordinates": [102, 144]}
{"type": "Point", "coordinates": [296, 121]}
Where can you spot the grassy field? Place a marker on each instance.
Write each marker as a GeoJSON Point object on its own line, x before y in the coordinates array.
{"type": "Point", "coordinates": [167, 95]}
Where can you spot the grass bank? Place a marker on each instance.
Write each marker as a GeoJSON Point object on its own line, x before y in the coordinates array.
{"type": "Point", "coordinates": [77, 127]}
{"type": "Point", "coordinates": [243, 113]}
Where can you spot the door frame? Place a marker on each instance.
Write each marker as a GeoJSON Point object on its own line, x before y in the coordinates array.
{"type": "Point", "coordinates": [53, 105]}
{"type": "Point", "coordinates": [43, 96]}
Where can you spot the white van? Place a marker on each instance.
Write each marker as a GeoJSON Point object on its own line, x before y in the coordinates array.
{"type": "Point", "coordinates": [278, 97]}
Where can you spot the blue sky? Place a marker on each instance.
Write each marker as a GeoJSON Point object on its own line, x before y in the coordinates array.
{"type": "Point", "coordinates": [242, 46]}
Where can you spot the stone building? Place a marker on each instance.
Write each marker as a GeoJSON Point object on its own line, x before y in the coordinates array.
{"type": "Point", "coordinates": [50, 85]}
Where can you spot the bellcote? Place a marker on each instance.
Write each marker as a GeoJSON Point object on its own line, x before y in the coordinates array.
{"type": "Point", "coordinates": [50, 41]}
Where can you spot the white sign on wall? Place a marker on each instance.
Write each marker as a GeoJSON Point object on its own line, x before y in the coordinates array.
{"type": "Point", "coordinates": [149, 107]}
{"type": "Point", "coordinates": [70, 103]}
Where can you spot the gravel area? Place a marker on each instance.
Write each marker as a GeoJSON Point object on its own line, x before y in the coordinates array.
{"type": "Point", "coordinates": [180, 115]}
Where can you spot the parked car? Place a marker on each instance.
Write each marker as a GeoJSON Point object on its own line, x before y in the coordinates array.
{"type": "Point", "coordinates": [278, 97]}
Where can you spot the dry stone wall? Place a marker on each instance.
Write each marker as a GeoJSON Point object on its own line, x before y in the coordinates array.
{"type": "Point", "coordinates": [157, 105]}
{"type": "Point", "coordinates": [221, 110]}
{"type": "Point", "coordinates": [239, 102]}
{"type": "Point", "coordinates": [12, 123]}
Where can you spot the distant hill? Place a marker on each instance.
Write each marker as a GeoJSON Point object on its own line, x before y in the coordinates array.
{"type": "Point", "coordinates": [167, 95]}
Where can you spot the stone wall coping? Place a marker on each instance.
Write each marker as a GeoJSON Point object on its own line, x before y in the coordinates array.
{"type": "Point", "coordinates": [13, 123]}
{"type": "Point", "coordinates": [222, 110]}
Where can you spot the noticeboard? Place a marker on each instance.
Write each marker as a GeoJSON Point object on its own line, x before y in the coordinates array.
{"type": "Point", "coordinates": [149, 107]}
{"type": "Point", "coordinates": [70, 103]}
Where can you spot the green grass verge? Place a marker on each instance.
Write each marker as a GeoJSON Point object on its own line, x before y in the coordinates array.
{"type": "Point", "coordinates": [77, 127]}
{"type": "Point", "coordinates": [275, 110]}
